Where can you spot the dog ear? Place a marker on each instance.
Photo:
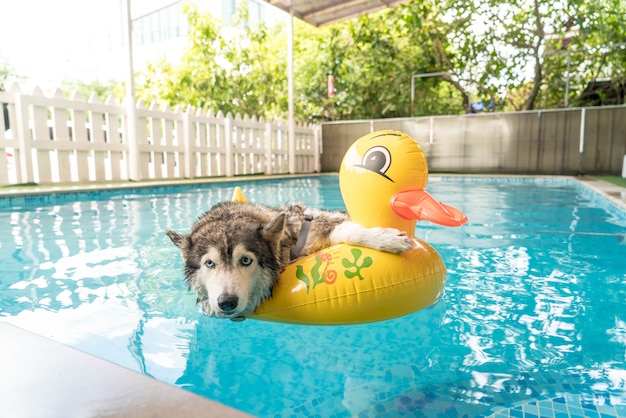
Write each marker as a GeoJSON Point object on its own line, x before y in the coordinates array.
{"type": "Point", "coordinates": [179, 240]}
{"type": "Point", "coordinates": [274, 230]}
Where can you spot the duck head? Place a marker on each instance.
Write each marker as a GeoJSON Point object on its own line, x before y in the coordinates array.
{"type": "Point", "coordinates": [382, 180]}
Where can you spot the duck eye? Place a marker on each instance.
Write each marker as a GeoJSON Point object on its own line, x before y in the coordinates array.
{"type": "Point", "coordinates": [245, 261]}
{"type": "Point", "coordinates": [210, 264]}
{"type": "Point", "coordinates": [378, 160]}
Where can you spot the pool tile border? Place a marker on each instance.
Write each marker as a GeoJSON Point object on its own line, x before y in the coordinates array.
{"type": "Point", "coordinates": [564, 406]}
{"type": "Point", "coordinates": [28, 196]}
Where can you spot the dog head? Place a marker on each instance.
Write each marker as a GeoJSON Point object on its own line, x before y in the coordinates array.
{"type": "Point", "coordinates": [232, 262]}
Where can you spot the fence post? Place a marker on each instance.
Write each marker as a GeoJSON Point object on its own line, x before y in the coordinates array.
{"type": "Point", "coordinates": [188, 137]}
{"type": "Point", "coordinates": [292, 146]}
{"type": "Point", "coordinates": [24, 139]}
{"type": "Point", "coordinates": [581, 145]}
{"type": "Point", "coordinates": [179, 156]}
{"type": "Point", "coordinates": [228, 144]}
{"type": "Point", "coordinates": [7, 114]}
{"type": "Point", "coordinates": [317, 148]}
{"type": "Point", "coordinates": [131, 137]}
{"type": "Point", "coordinates": [80, 138]}
{"type": "Point", "coordinates": [269, 147]}
{"type": "Point", "coordinates": [431, 131]}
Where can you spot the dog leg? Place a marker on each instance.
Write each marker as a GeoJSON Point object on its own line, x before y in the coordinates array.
{"type": "Point", "coordinates": [383, 239]}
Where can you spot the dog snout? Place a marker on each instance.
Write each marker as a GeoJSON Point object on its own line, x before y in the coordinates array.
{"type": "Point", "coordinates": [227, 303]}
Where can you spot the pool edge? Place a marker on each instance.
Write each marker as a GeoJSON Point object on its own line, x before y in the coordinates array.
{"type": "Point", "coordinates": [42, 377]}
{"type": "Point", "coordinates": [613, 192]}
{"type": "Point", "coordinates": [24, 190]}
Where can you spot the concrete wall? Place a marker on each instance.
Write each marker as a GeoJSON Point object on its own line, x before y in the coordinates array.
{"type": "Point", "coordinates": [536, 142]}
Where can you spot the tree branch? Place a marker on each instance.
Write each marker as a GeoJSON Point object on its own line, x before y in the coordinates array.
{"type": "Point", "coordinates": [529, 104]}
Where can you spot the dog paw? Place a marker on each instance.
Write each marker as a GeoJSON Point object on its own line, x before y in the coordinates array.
{"type": "Point", "coordinates": [394, 241]}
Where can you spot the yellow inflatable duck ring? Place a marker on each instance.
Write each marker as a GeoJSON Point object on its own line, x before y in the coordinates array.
{"type": "Point", "coordinates": [382, 180]}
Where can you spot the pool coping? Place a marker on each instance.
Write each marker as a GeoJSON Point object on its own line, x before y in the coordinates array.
{"type": "Point", "coordinates": [614, 193]}
{"type": "Point", "coordinates": [22, 190]}
{"type": "Point", "coordinates": [42, 375]}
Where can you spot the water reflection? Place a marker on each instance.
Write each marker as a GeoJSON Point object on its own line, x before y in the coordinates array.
{"type": "Point", "coordinates": [350, 363]}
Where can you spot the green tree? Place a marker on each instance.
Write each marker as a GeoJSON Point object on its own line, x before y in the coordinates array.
{"type": "Point", "coordinates": [6, 72]}
{"type": "Point", "coordinates": [100, 89]}
{"type": "Point", "coordinates": [372, 59]}
{"type": "Point", "coordinates": [511, 54]}
{"type": "Point", "coordinates": [238, 71]}
{"type": "Point", "coordinates": [527, 50]}
{"type": "Point", "coordinates": [257, 73]}
{"type": "Point", "coordinates": [595, 49]}
{"type": "Point", "coordinates": [199, 79]}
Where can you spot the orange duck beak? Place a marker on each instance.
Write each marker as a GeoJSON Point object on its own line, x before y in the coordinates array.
{"type": "Point", "coordinates": [420, 205]}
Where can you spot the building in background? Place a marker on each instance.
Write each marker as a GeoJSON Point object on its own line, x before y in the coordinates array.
{"type": "Point", "coordinates": [70, 40]}
{"type": "Point", "coordinates": [160, 28]}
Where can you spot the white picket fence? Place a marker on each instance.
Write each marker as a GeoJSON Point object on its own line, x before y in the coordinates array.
{"type": "Point", "coordinates": [53, 139]}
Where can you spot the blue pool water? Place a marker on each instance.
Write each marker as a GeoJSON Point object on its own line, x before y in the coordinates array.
{"type": "Point", "coordinates": [533, 316]}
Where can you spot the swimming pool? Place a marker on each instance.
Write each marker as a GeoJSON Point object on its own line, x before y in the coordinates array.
{"type": "Point", "coordinates": [533, 318]}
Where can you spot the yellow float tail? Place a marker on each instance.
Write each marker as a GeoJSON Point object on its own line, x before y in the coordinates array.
{"type": "Point", "coordinates": [238, 196]}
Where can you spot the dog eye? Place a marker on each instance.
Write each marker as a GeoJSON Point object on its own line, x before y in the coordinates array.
{"type": "Point", "coordinates": [377, 159]}
{"type": "Point", "coordinates": [245, 261]}
{"type": "Point", "coordinates": [210, 264]}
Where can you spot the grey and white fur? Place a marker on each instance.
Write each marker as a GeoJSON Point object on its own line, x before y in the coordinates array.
{"type": "Point", "coordinates": [235, 252]}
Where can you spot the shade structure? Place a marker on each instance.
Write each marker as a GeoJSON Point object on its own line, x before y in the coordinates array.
{"type": "Point", "coordinates": [318, 13]}
{"type": "Point", "coordinates": [322, 12]}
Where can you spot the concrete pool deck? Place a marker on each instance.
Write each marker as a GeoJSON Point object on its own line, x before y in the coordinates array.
{"type": "Point", "coordinates": [43, 378]}
{"type": "Point", "coordinates": [613, 192]}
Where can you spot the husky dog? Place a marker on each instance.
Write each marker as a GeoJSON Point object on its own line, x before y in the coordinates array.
{"type": "Point", "coordinates": [235, 252]}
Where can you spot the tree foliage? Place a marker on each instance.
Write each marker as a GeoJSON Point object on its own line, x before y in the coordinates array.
{"type": "Point", "coordinates": [508, 54]}
{"type": "Point", "coordinates": [7, 72]}
{"type": "Point", "coordinates": [241, 71]}
{"type": "Point", "coordinates": [101, 89]}
{"type": "Point", "coordinates": [528, 51]}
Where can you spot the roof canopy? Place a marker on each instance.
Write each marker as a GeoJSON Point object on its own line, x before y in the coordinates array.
{"type": "Point", "coordinates": [322, 12]}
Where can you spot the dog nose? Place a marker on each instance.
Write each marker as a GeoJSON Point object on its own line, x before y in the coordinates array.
{"type": "Point", "coordinates": [227, 303]}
